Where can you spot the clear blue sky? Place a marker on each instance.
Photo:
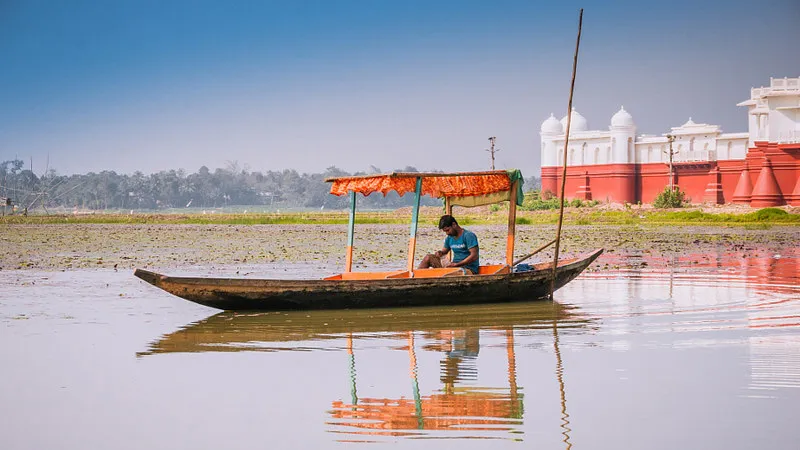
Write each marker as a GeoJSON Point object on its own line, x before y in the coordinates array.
{"type": "Point", "coordinates": [156, 85]}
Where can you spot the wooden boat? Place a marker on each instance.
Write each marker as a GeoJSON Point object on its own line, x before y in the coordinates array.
{"type": "Point", "coordinates": [409, 287]}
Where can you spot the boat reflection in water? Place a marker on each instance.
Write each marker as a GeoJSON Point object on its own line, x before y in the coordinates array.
{"type": "Point", "coordinates": [459, 408]}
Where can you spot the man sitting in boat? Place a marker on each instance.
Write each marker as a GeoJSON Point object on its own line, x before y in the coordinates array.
{"type": "Point", "coordinates": [463, 243]}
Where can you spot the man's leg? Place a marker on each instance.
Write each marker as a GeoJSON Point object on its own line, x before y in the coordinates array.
{"type": "Point", "coordinates": [430, 261]}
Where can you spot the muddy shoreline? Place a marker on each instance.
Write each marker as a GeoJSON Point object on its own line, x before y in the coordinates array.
{"type": "Point", "coordinates": [123, 246]}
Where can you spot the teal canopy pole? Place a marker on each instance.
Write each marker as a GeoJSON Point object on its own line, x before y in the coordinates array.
{"type": "Point", "coordinates": [412, 241]}
{"type": "Point", "coordinates": [350, 231]}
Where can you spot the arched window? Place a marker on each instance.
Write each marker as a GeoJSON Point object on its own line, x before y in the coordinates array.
{"type": "Point", "coordinates": [597, 155]}
{"type": "Point", "coordinates": [608, 155]}
{"type": "Point", "coordinates": [728, 153]}
{"type": "Point", "coordinates": [631, 154]}
{"type": "Point", "coordinates": [583, 154]}
{"type": "Point", "coordinates": [572, 157]}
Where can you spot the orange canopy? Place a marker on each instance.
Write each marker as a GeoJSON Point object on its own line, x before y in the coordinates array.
{"type": "Point", "coordinates": [463, 184]}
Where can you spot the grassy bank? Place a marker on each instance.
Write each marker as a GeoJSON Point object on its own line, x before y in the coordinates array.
{"type": "Point", "coordinates": [430, 216]}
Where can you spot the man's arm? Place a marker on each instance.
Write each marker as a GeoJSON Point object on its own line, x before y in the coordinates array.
{"type": "Point", "coordinates": [473, 255]}
{"type": "Point", "coordinates": [440, 253]}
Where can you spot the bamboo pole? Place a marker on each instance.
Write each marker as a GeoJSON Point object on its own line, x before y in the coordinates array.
{"type": "Point", "coordinates": [566, 145]}
{"type": "Point", "coordinates": [533, 252]}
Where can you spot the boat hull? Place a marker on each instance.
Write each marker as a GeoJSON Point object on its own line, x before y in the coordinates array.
{"type": "Point", "coordinates": [234, 294]}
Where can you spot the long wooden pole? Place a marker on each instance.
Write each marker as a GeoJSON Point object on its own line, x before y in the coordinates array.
{"type": "Point", "coordinates": [534, 252]}
{"type": "Point", "coordinates": [566, 144]}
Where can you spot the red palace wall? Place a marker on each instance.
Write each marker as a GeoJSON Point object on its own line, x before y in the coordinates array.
{"type": "Point", "coordinates": [773, 171]}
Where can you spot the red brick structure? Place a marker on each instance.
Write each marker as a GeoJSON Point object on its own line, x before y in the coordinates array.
{"type": "Point", "coordinates": [760, 168]}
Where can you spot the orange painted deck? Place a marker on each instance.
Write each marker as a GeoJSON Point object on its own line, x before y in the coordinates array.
{"type": "Point", "coordinates": [492, 269]}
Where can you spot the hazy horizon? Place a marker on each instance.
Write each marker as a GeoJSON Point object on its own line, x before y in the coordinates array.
{"type": "Point", "coordinates": [149, 86]}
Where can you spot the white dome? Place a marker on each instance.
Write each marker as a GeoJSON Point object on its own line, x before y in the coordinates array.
{"type": "Point", "coordinates": [578, 122]}
{"type": "Point", "coordinates": [622, 119]}
{"type": "Point", "coordinates": [552, 126]}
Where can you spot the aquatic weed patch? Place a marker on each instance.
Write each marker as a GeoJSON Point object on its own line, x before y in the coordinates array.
{"type": "Point", "coordinates": [430, 215]}
{"type": "Point", "coordinates": [766, 215]}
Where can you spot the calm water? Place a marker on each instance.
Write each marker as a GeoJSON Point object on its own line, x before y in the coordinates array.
{"type": "Point", "coordinates": [704, 355]}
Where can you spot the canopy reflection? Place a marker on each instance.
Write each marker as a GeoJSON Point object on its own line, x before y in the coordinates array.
{"type": "Point", "coordinates": [458, 408]}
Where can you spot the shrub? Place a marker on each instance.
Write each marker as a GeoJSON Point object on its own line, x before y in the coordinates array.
{"type": "Point", "coordinates": [576, 203]}
{"type": "Point", "coordinates": [534, 201]}
{"type": "Point", "coordinates": [770, 214]}
{"type": "Point", "coordinates": [670, 198]}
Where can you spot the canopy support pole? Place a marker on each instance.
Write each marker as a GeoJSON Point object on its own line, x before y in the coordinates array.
{"type": "Point", "coordinates": [448, 206]}
{"type": "Point", "coordinates": [348, 264]}
{"type": "Point", "coordinates": [512, 223]}
{"type": "Point", "coordinates": [412, 241]}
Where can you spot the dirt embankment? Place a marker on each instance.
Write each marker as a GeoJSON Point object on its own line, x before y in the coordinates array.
{"type": "Point", "coordinates": [67, 247]}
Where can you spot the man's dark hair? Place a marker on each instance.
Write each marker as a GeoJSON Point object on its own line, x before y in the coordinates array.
{"type": "Point", "coordinates": [447, 221]}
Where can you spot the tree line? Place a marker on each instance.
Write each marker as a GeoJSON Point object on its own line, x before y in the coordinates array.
{"type": "Point", "coordinates": [173, 189]}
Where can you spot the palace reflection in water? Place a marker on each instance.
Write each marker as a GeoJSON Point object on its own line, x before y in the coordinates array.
{"type": "Point", "coordinates": [722, 291]}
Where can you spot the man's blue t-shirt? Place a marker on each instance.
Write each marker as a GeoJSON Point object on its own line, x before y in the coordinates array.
{"type": "Point", "coordinates": [460, 247]}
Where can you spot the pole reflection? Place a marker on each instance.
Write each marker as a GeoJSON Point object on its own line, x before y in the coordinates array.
{"type": "Point", "coordinates": [457, 405]}
{"type": "Point", "coordinates": [456, 408]}
{"type": "Point", "coordinates": [561, 390]}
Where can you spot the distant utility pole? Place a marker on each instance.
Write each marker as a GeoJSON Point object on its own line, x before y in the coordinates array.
{"type": "Point", "coordinates": [671, 139]}
{"type": "Point", "coordinates": [492, 150]}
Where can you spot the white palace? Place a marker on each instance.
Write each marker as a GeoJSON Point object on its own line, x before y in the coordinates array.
{"type": "Point", "coordinates": [618, 165]}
